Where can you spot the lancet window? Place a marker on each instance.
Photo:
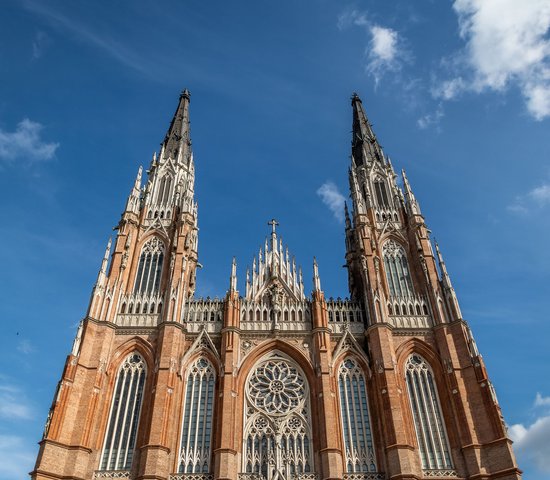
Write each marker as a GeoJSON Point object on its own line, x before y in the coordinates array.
{"type": "Point", "coordinates": [397, 270]}
{"type": "Point", "coordinates": [381, 193]}
{"type": "Point", "coordinates": [164, 189]}
{"type": "Point", "coordinates": [277, 434]}
{"type": "Point", "coordinates": [120, 440]}
{"type": "Point", "coordinates": [354, 410]}
{"type": "Point", "coordinates": [428, 421]}
{"type": "Point", "coordinates": [196, 432]}
{"type": "Point", "coordinates": [150, 267]}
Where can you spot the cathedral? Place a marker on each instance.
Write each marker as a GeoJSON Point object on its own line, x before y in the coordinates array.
{"type": "Point", "coordinates": [273, 382]}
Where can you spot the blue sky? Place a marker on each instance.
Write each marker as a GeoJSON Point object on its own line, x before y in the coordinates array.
{"type": "Point", "coordinates": [459, 95]}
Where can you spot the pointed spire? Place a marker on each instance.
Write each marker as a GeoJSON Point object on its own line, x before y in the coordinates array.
{"type": "Point", "coordinates": [316, 278]}
{"type": "Point", "coordinates": [412, 203]}
{"type": "Point", "coordinates": [346, 214]}
{"type": "Point", "coordinates": [233, 279]}
{"type": "Point", "coordinates": [177, 142]}
{"type": "Point", "coordinates": [445, 279]}
{"type": "Point", "coordinates": [102, 274]}
{"type": "Point", "coordinates": [364, 145]}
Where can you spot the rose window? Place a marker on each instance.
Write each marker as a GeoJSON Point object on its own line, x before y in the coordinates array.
{"type": "Point", "coordinates": [276, 387]}
{"type": "Point", "coordinates": [277, 421]}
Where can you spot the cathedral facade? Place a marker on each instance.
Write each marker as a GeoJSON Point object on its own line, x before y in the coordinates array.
{"type": "Point", "coordinates": [274, 384]}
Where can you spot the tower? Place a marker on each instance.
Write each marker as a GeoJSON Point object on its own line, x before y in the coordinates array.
{"type": "Point", "coordinates": [274, 384]}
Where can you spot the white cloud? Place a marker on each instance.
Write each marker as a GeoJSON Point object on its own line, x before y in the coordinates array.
{"type": "Point", "coordinates": [25, 143]}
{"type": "Point", "coordinates": [506, 44]}
{"type": "Point", "coordinates": [537, 198]}
{"type": "Point", "coordinates": [384, 52]}
{"type": "Point", "coordinates": [13, 403]}
{"type": "Point", "coordinates": [533, 442]}
{"type": "Point", "coordinates": [333, 199]}
{"type": "Point", "coordinates": [16, 457]}
{"type": "Point", "coordinates": [541, 401]}
{"type": "Point", "coordinates": [431, 119]}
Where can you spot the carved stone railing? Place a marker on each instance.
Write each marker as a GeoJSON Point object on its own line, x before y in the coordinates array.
{"type": "Point", "coordinates": [410, 311]}
{"type": "Point", "coordinates": [111, 474]}
{"type": "Point", "coordinates": [137, 319]}
{"type": "Point", "coordinates": [134, 303]}
{"type": "Point", "coordinates": [440, 473]}
{"type": "Point", "coordinates": [344, 314]}
{"type": "Point", "coordinates": [261, 316]}
{"type": "Point", "coordinates": [203, 313]}
{"type": "Point", "coordinates": [364, 476]}
{"type": "Point", "coordinates": [383, 214]}
{"type": "Point", "coordinates": [191, 476]}
{"type": "Point", "coordinates": [296, 476]}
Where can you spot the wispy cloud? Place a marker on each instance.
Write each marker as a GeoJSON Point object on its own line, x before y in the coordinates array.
{"type": "Point", "coordinates": [14, 404]}
{"type": "Point", "coordinates": [532, 442]}
{"type": "Point", "coordinates": [25, 347]}
{"type": "Point", "coordinates": [535, 199]}
{"type": "Point", "coordinates": [25, 143]}
{"type": "Point", "coordinates": [16, 456]}
{"type": "Point", "coordinates": [333, 199]}
{"type": "Point", "coordinates": [506, 45]}
{"type": "Point", "coordinates": [431, 119]}
{"type": "Point", "coordinates": [116, 50]}
{"type": "Point", "coordinates": [384, 52]}
{"type": "Point", "coordinates": [39, 44]}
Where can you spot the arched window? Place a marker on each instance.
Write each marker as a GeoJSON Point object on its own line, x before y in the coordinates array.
{"type": "Point", "coordinates": [381, 194]}
{"type": "Point", "coordinates": [277, 423]}
{"type": "Point", "coordinates": [150, 267]}
{"type": "Point", "coordinates": [428, 422]}
{"type": "Point", "coordinates": [118, 449]}
{"type": "Point", "coordinates": [397, 270]}
{"type": "Point", "coordinates": [164, 189]}
{"type": "Point", "coordinates": [354, 409]}
{"type": "Point", "coordinates": [196, 432]}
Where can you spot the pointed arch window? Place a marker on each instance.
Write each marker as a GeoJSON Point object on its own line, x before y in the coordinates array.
{"type": "Point", "coordinates": [120, 440]}
{"type": "Point", "coordinates": [196, 432]}
{"type": "Point", "coordinates": [397, 270]}
{"type": "Point", "coordinates": [381, 193]}
{"type": "Point", "coordinates": [164, 189]}
{"type": "Point", "coordinates": [431, 436]}
{"type": "Point", "coordinates": [277, 422]}
{"type": "Point", "coordinates": [150, 267]}
{"type": "Point", "coordinates": [354, 410]}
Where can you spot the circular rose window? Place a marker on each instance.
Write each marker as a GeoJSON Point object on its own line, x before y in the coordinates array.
{"type": "Point", "coordinates": [276, 387]}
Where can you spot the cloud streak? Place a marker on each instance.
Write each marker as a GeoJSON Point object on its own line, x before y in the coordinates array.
{"type": "Point", "coordinates": [333, 199]}
{"type": "Point", "coordinates": [535, 199]}
{"type": "Point", "coordinates": [26, 143]}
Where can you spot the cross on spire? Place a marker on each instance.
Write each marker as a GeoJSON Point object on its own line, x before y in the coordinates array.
{"type": "Point", "coordinates": [273, 224]}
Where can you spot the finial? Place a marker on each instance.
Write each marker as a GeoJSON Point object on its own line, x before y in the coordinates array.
{"type": "Point", "coordinates": [316, 279]}
{"type": "Point", "coordinates": [273, 224]}
{"type": "Point", "coordinates": [233, 279]}
{"type": "Point", "coordinates": [355, 98]}
{"type": "Point", "coordinates": [186, 94]}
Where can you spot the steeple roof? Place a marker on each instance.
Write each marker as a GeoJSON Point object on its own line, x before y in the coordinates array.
{"type": "Point", "coordinates": [177, 142]}
{"type": "Point", "coordinates": [364, 145]}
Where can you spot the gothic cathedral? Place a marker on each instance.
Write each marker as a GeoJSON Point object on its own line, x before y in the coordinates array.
{"type": "Point", "coordinates": [274, 384]}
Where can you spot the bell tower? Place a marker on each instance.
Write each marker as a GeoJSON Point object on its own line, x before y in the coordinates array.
{"type": "Point", "coordinates": [440, 412]}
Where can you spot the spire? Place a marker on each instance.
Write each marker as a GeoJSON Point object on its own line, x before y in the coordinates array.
{"type": "Point", "coordinates": [102, 274]}
{"type": "Point", "coordinates": [412, 203]}
{"type": "Point", "coordinates": [233, 278]}
{"type": "Point", "coordinates": [177, 142]}
{"type": "Point", "coordinates": [346, 214]}
{"type": "Point", "coordinates": [445, 279]}
{"type": "Point", "coordinates": [316, 279]}
{"type": "Point", "coordinates": [364, 145]}
{"type": "Point", "coordinates": [133, 202]}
